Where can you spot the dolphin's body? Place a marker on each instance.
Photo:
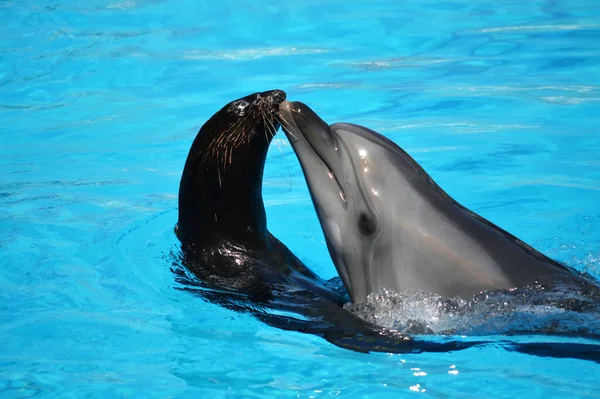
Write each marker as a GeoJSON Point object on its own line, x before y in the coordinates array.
{"type": "Point", "coordinates": [388, 225]}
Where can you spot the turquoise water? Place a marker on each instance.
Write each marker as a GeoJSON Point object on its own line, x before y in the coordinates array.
{"type": "Point", "coordinates": [100, 101]}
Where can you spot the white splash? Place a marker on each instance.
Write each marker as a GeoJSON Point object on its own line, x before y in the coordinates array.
{"type": "Point", "coordinates": [528, 310]}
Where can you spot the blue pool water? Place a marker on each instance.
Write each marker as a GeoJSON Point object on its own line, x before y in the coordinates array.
{"type": "Point", "coordinates": [100, 100]}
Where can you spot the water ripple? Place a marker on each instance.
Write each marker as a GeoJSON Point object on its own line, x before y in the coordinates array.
{"type": "Point", "coordinates": [540, 28]}
{"type": "Point", "coordinates": [252, 53]}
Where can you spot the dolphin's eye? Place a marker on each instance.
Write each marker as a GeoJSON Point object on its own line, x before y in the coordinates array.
{"type": "Point", "coordinates": [367, 225]}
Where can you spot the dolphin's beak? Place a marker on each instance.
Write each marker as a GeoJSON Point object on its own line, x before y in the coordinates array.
{"type": "Point", "coordinates": [310, 134]}
{"type": "Point", "coordinates": [316, 147]}
{"type": "Point", "coordinates": [300, 121]}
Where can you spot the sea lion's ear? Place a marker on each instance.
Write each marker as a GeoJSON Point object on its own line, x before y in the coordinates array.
{"type": "Point", "coordinates": [177, 231]}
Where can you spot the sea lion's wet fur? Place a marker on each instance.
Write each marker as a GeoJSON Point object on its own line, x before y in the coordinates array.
{"type": "Point", "coordinates": [222, 221]}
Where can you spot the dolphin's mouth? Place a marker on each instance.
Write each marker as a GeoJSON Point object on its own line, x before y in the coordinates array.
{"type": "Point", "coordinates": [307, 127]}
{"type": "Point", "coordinates": [338, 185]}
{"type": "Point", "coordinates": [331, 175]}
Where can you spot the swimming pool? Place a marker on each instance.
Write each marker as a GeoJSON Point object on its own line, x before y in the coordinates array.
{"type": "Point", "coordinates": [498, 100]}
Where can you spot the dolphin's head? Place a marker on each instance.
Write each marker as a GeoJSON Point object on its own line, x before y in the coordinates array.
{"type": "Point", "coordinates": [388, 225]}
{"type": "Point", "coordinates": [353, 181]}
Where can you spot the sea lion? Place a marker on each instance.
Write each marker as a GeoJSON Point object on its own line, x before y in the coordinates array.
{"type": "Point", "coordinates": [222, 222]}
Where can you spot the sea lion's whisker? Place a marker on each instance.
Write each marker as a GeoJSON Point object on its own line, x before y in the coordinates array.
{"type": "Point", "coordinates": [287, 165]}
{"type": "Point", "coordinates": [266, 130]}
{"type": "Point", "coordinates": [283, 123]}
{"type": "Point", "coordinates": [281, 119]}
{"type": "Point", "coordinates": [220, 141]}
{"type": "Point", "coordinates": [273, 131]}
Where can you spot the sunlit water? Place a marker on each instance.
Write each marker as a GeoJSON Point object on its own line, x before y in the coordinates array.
{"type": "Point", "coordinates": [100, 100]}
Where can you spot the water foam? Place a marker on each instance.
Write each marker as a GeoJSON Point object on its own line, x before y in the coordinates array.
{"type": "Point", "coordinates": [531, 310]}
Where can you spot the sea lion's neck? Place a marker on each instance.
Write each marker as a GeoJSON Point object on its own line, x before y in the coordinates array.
{"type": "Point", "coordinates": [220, 196]}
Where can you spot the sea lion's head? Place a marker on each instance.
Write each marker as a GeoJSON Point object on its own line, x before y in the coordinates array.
{"type": "Point", "coordinates": [220, 194]}
{"type": "Point", "coordinates": [244, 124]}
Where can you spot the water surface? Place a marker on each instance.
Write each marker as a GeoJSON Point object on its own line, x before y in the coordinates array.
{"type": "Point", "coordinates": [100, 101]}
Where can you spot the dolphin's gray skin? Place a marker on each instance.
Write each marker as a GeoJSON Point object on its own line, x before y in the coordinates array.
{"type": "Point", "coordinates": [388, 225]}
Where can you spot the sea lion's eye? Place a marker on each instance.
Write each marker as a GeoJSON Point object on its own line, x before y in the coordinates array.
{"type": "Point", "coordinates": [239, 108]}
{"type": "Point", "coordinates": [367, 225]}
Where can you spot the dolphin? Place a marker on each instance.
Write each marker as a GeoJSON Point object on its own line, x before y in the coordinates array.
{"type": "Point", "coordinates": [389, 226]}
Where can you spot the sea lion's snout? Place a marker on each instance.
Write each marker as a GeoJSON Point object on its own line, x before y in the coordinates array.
{"type": "Point", "coordinates": [271, 98]}
{"type": "Point", "coordinates": [277, 96]}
